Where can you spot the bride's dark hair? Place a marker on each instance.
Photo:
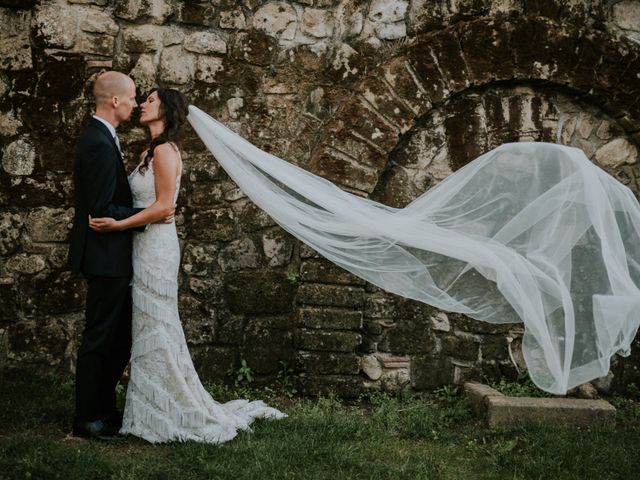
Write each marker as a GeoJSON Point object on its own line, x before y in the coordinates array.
{"type": "Point", "coordinates": [174, 108]}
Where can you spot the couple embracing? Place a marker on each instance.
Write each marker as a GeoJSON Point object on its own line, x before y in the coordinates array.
{"type": "Point", "coordinates": [124, 242]}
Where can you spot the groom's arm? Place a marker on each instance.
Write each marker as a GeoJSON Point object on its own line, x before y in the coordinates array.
{"type": "Point", "coordinates": [99, 183]}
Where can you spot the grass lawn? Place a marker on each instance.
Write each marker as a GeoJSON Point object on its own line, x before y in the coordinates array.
{"type": "Point", "coordinates": [379, 436]}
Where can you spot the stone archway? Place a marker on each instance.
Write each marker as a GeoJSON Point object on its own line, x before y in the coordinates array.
{"type": "Point", "coordinates": [586, 64]}
{"type": "Point", "coordinates": [512, 79]}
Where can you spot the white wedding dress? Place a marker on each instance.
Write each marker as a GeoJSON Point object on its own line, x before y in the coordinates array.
{"type": "Point", "coordinates": [165, 400]}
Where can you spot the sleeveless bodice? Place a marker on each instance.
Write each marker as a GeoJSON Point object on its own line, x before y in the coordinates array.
{"type": "Point", "coordinates": [143, 186]}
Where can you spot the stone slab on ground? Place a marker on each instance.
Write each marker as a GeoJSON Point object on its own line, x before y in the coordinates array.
{"type": "Point", "coordinates": [499, 410]}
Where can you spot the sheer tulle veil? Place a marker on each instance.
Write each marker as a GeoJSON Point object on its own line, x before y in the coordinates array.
{"type": "Point", "coordinates": [527, 232]}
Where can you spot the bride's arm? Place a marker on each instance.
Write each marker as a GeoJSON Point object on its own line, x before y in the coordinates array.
{"type": "Point", "coordinates": [165, 167]}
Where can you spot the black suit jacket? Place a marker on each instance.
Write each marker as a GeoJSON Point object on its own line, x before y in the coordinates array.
{"type": "Point", "coordinates": [101, 190]}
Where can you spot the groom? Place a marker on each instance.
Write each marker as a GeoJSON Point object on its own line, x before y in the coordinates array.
{"type": "Point", "coordinates": [102, 190]}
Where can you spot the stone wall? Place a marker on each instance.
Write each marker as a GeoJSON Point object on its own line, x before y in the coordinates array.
{"type": "Point", "coordinates": [384, 97]}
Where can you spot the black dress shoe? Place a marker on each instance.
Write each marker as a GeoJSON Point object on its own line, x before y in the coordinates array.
{"type": "Point", "coordinates": [94, 430]}
{"type": "Point", "coordinates": [113, 421]}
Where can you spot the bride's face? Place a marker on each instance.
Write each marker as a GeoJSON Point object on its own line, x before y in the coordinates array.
{"type": "Point", "coordinates": [150, 110]}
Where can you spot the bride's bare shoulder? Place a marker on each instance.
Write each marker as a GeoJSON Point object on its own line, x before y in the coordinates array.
{"type": "Point", "coordinates": [166, 155]}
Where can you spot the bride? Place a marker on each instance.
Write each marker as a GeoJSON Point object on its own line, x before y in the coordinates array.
{"type": "Point", "coordinates": [165, 400]}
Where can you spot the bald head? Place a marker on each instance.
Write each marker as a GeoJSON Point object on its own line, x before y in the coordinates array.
{"type": "Point", "coordinates": [111, 84]}
{"type": "Point", "coordinates": [115, 95]}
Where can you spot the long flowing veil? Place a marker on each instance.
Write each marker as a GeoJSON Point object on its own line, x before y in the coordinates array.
{"type": "Point", "coordinates": [530, 232]}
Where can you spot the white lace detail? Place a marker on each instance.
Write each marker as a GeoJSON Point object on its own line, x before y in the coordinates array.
{"type": "Point", "coordinates": [165, 399]}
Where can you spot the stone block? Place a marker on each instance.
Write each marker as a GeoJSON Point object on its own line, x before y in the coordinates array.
{"type": "Point", "coordinates": [144, 73]}
{"type": "Point", "coordinates": [208, 68]}
{"type": "Point", "coordinates": [409, 336]}
{"type": "Point", "coordinates": [232, 19]}
{"type": "Point", "coordinates": [213, 224]}
{"type": "Point", "coordinates": [18, 158]}
{"type": "Point", "coordinates": [389, 306]}
{"type": "Point", "coordinates": [378, 95]}
{"type": "Point", "coordinates": [460, 347]}
{"type": "Point", "coordinates": [45, 343]}
{"type": "Point", "coordinates": [259, 292]}
{"type": "Point", "coordinates": [49, 224]}
{"type": "Point", "coordinates": [429, 372]}
{"type": "Point", "coordinates": [327, 340]}
{"type": "Point", "coordinates": [62, 77]}
{"type": "Point", "coordinates": [26, 263]}
{"type": "Point", "coordinates": [277, 246]}
{"type": "Point", "coordinates": [347, 386]}
{"type": "Point", "coordinates": [327, 363]}
{"type": "Point", "coordinates": [15, 45]}
{"type": "Point", "coordinates": [129, 9]}
{"type": "Point", "coordinates": [343, 170]}
{"type": "Point", "coordinates": [196, 13]}
{"type": "Point", "coordinates": [502, 411]}
{"type": "Point", "coordinates": [100, 3]}
{"type": "Point", "coordinates": [177, 66]}
{"type": "Point", "coordinates": [10, 231]}
{"type": "Point", "coordinates": [330, 318]}
{"type": "Point", "coordinates": [200, 259]}
{"type": "Point", "coordinates": [212, 362]}
{"type": "Point", "coordinates": [626, 15]}
{"type": "Point", "coordinates": [57, 293]}
{"type": "Point", "coordinates": [387, 11]}
{"type": "Point", "coordinates": [199, 322]}
{"type": "Point", "coordinates": [323, 271]}
{"type": "Point", "coordinates": [240, 254]}
{"type": "Point", "coordinates": [254, 47]}
{"type": "Point", "coordinates": [477, 393]}
{"type": "Point", "coordinates": [317, 23]}
{"type": "Point", "coordinates": [206, 43]}
{"type": "Point", "coordinates": [140, 39]}
{"type": "Point", "coordinates": [494, 347]}
{"type": "Point", "coordinates": [253, 218]}
{"type": "Point", "coordinates": [330, 295]}
{"type": "Point", "coordinates": [371, 367]}
{"type": "Point", "coordinates": [9, 309]}
{"type": "Point", "coordinates": [95, 43]}
{"type": "Point", "coordinates": [56, 25]}
{"type": "Point", "coordinates": [617, 152]}
{"type": "Point", "coordinates": [277, 19]}
{"type": "Point", "coordinates": [98, 22]}
{"type": "Point", "coordinates": [268, 342]}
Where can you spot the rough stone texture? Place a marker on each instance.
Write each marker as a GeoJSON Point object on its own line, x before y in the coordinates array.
{"type": "Point", "coordinates": [386, 98]}
{"type": "Point", "coordinates": [277, 19]}
{"type": "Point", "coordinates": [18, 158]}
{"type": "Point", "coordinates": [15, 48]}
{"type": "Point", "coordinates": [10, 232]}
{"type": "Point", "coordinates": [176, 66]}
{"type": "Point", "coordinates": [232, 19]}
{"type": "Point", "coordinates": [48, 224]}
{"type": "Point", "coordinates": [205, 42]}
{"type": "Point", "coordinates": [144, 38]}
{"type": "Point", "coordinates": [144, 73]}
{"type": "Point", "coordinates": [57, 25]}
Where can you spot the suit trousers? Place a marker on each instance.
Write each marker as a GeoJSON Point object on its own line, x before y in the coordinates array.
{"type": "Point", "coordinates": [105, 348]}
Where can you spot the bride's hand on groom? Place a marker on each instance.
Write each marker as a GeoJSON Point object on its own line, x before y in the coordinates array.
{"type": "Point", "coordinates": [104, 224]}
{"type": "Point", "coordinates": [169, 218]}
